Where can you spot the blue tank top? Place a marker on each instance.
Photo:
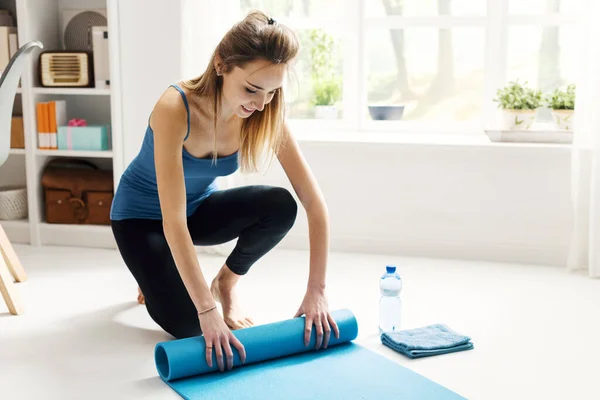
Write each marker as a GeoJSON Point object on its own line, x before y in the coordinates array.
{"type": "Point", "coordinates": [137, 193]}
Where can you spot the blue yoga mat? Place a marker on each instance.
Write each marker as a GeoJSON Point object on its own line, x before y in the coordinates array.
{"type": "Point", "coordinates": [279, 366]}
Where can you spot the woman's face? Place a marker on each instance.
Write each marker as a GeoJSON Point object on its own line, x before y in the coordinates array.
{"type": "Point", "coordinates": [247, 90]}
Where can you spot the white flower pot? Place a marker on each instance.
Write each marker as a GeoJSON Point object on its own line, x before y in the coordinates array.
{"type": "Point", "coordinates": [325, 112]}
{"type": "Point", "coordinates": [519, 119]}
{"type": "Point", "coordinates": [564, 119]}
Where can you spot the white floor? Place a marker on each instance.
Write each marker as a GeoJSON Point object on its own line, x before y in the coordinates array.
{"type": "Point", "coordinates": [536, 329]}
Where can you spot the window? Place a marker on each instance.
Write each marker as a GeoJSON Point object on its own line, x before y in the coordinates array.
{"type": "Point", "coordinates": [425, 8]}
{"type": "Point", "coordinates": [435, 74]}
{"type": "Point", "coordinates": [423, 65]}
{"type": "Point", "coordinates": [317, 75]}
{"type": "Point", "coordinates": [532, 7]}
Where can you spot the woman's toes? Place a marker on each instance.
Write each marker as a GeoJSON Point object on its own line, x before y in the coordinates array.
{"type": "Point", "coordinates": [140, 298]}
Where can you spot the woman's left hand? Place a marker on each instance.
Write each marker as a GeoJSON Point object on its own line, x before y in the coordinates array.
{"type": "Point", "coordinates": [316, 310]}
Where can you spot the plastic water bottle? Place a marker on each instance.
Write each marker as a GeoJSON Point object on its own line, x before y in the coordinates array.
{"type": "Point", "coordinates": [390, 304]}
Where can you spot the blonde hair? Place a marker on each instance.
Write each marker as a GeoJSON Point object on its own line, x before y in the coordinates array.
{"type": "Point", "coordinates": [255, 37]}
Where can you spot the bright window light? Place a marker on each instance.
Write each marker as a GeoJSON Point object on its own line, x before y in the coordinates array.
{"type": "Point", "coordinates": [428, 66]}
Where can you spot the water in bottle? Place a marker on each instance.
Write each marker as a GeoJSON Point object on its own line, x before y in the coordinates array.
{"type": "Point", "coordinates": [390, 304]}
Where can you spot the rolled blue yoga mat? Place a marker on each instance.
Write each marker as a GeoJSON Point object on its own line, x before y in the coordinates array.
{"type": "Point", "coordinates": [279, 366]}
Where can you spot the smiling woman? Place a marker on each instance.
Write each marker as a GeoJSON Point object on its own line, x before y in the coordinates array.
{"type": "Point", "coordinates": [167, 200]}
{"type": "Point", "coordinates": [250, 98]}
{"type": "Point", "coordinates": [244, 76]}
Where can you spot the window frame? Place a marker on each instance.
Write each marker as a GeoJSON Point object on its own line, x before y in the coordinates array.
{"type": "Point", "coordinates": [355, 23]}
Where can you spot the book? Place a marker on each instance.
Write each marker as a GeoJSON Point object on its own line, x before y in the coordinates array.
{"type": "Point", "coordinates": [13, 44]}
{"type": "Point", "coordinates": [50, 115]}
{"type": "Point", "coordinates": [5, 31]}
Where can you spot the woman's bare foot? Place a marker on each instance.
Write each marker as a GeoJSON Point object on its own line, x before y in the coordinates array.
{"type": "Point", "coordinates": [223, 290]}
{"type": "Point", "coordinates": [141, 299]}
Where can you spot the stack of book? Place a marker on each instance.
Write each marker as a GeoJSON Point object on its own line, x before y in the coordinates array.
{"type": "Point", "coordinates": [9, 43]}
{"type": "Point", "coordinates": [50, 115]}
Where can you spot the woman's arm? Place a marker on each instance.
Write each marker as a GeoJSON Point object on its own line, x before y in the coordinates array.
{"type": "Point", "coordinates": [307, 189]}
{"type": "Point", "coordinates": [169, 123]}
{"type": "Point", "coordinates": [314, 305]}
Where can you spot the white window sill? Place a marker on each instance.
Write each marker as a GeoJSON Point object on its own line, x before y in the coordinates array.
{"type": "Point", "coordinates": [428, 139]}
{"type": "Point", "coordinates": [330, 132]}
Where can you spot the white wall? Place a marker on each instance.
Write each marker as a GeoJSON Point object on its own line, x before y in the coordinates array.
{"type": "Point", "coordinates": [488, 202]}
{"type": "Point", "coordinates": [492, 202]}
{"type": "Point", "coordinates": [151, 60]}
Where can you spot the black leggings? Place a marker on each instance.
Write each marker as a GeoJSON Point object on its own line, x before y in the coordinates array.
{"type": "Point", "coordinates": [259, 216]}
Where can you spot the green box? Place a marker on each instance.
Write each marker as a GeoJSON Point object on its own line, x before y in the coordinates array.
{"type": "Point", "coordinates": [92, 138]}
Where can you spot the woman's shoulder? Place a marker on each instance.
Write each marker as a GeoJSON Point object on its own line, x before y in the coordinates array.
{"type": "Point", "coordinates": [171, 97]}
{"type": "Point", "coordinates": [171, 101]}
{"type": "Point", "coordinates": [169, 108]}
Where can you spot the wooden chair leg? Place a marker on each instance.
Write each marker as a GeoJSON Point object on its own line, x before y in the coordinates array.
{"type": "Point", "coordinates": [8, 289]}
{"type": "Point", "coordinates": [10, 257]}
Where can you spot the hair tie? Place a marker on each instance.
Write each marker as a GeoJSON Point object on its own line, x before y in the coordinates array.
{"type": "Point", "coordinates": [271, 21]}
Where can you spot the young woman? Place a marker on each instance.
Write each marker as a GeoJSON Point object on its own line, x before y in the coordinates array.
{"type": "Point", "coordinates": [167, 202]}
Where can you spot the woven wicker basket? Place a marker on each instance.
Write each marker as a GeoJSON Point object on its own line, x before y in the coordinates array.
{"type": "Point", "coordinates": [13, 203]}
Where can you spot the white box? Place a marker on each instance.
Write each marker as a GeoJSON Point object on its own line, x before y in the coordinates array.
{"type": "Point", "coordinates": [100, 54]}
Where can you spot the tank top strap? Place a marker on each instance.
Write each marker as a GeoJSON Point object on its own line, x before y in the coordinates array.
{"type": "Point", "coordinates": [187, 107]}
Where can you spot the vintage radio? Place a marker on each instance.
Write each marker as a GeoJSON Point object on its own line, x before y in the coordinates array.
{"type": "Point", "coordinates": [64, 68]}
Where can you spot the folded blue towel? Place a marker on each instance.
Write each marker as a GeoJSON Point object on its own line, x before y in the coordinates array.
{"type": "Point", "coordinates": [427, 341]}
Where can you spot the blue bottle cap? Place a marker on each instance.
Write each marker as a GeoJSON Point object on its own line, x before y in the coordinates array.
{"type": "Point", "coordinates": [390, 268]}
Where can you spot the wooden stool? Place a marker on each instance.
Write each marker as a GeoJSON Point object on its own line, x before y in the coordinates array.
{"type": "Point", "coordinates": [10, 267]}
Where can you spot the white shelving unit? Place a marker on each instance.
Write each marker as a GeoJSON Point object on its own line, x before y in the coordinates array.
{"type": "Point", "coordinates": [74, 153]}
{"type": "Point", "coordinates": [40, 20]}
{"type": "Point", "coordinates": [72, 91]}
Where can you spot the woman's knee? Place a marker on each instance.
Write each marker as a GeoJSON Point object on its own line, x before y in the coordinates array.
{"type": "Point", "coordinates": [178, 326]}
{"type": "Point", "coordinates": [281, 206]}
{"type": "Point", "coordinates": [184, 330]}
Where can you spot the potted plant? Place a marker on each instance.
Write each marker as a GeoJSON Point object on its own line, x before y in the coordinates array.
{"type": "Point", "coordinates": [327, 87]}
{"type": "Point", "coordinates": [562, 104]}
{"type": "Point", "coordinates": [519, 104]}
{"type": "Point", "coordinates": [326, 93]}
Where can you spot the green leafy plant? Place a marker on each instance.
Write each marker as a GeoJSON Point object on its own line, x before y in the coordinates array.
{"type": "Point", "coordinates": [327, 88]}
{"type": "Point", "coordinates": [326, 92]}
{"type": "Point", "coordinates": [562, 99]}
{"type": "Point", "coordinates": [517, 96]}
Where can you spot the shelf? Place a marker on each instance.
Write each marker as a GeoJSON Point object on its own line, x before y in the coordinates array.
{"type": "Point", "coordinates": [75, 91]}
{"type": "Point", "coordinates": [75, 153]}
{"type": "Point", "coordinates": [76, 228]}
{"type": "Point", "coordinates": [14, 223]}
{"type": "Point", "coordinates": [99, 104]}
{"type": "Point", "coordinates": [16, 230]}
{"type": "Point", "coordinates": [99, 236]}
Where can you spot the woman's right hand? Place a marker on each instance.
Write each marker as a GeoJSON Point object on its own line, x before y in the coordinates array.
{"type": "Point", "coordinates": [219, 337]}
